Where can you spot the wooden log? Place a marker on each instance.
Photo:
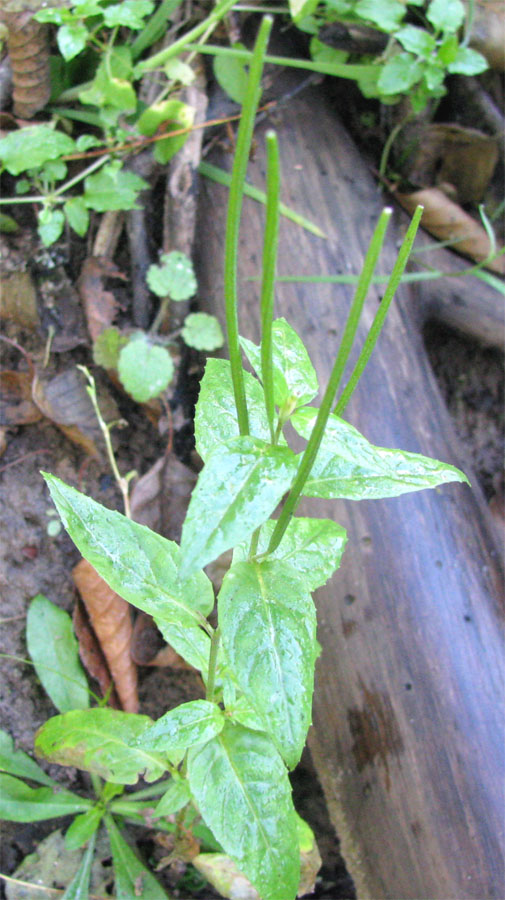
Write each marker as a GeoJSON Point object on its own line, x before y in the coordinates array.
{"type": "Point", "coordinates": [409, 699]}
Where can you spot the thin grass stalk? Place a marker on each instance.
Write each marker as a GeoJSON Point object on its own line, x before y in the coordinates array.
{"type": "Point", "coordinates": [235, 198]}
{"type": "Point", "coordinates": [270, 244]}
{"type": "Point", "coordinates": [380, 317]}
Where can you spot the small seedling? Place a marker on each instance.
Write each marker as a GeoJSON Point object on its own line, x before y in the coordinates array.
{"type": "Point", "coordinates": [231, 753]}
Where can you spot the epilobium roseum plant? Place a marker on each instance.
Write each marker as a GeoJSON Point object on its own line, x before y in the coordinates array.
{"type": "Point", "coordinates": [230, 754]}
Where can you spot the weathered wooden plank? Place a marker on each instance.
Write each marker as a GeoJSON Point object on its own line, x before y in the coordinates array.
{"type": "Point", "coordinates": [408, 710]}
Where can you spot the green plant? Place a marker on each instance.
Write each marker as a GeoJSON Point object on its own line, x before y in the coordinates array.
{"type": "Point", "coordinates": [230, 754]}
{"type": "Point", "coordinates": [142, 361]}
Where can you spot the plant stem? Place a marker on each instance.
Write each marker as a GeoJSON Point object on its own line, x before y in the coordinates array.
{"type": "Point", "coordinates": [211, 675]}
{"type": "Point", "coordinates": [378, 322]}
{"type": "Point", "coordinates": [159, 59]}
{"type": "Point", "coordinates": [235, 198]}
{"type": "Point", "coordinates": [339, 70]}
{"type": "Point", "coordinates": [270, 243]}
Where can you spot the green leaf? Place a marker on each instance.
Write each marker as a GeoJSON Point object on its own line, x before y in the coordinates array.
{"type": "Point", "coordinates": [16, 762]}
{"type": "Point", "coordinates": [77, 215]}
{"type": "Point", "coordinates": [177, 70]}
{"type": "Point", "coordinates": [399, 74]}
{"type": "Point", "coordinates": [20, 803]}
{"type": "Point", "coordinates": [416, 40]}
{"type": "Point", "coordinates": [314, 547]}
{"type": "Point", "coordinates": [203, 332]}
{"type": "Point", "coordinates": [100, 741]}
{"type": "Point", "coordinates": [145, 370]}
{"type": "Point", "coordinates": [72, 39]}
{"type": "Point", "coordinates": [468, 62]}
{"type": "Point", "coordinates": [132, 879]}
{"type": "Point", "coordinates": [434, 76]}
{"type": "Point", "coordinates": [348, 466]}
{"type": "Point", "coordinates": [446, 15]}
{"type": "Point", "coordinates": [54, 650]}
{"type": "Point", "coordinates": [176, 796]}
{"type": "Point", "coordinates": [241, 711]}
{"type": "Point", "coordinates": [107, 347]}
{"type": "Point", "coordinates": [186, 725]}
{"type": "Point", "coordinates": [83, 828]}
{"type": "Point", "coordinates": [142, 567]}
{"type": "Point", "coordinates": [243, 793]}
{"type": "Point", "coordinates": [78, 889]}
{"type": "Point", "coordinates": [29, 148]}
{"type": "Point", "coordinates": [232, 74]}
{"type": "Point", "coordinates": [8, 225]}
{"type": "Point", "coordinates": [294, 375]}
{"type": "Point", "coordinates": [386, 14]}
{"type": "Point", "coordinates": [237, 490]}
{"type": "Point", "coordinates": [50, 225]}
{"type": "Point", "coordinates": [169, 112]}
{"type": "Point", "coordinates": [111, 188]}
{"type": "Point", "coordinates": [448, 49]}
{"type": "Point", "coordinates": [174, 278]}
{"type": "Point", "coordinates": [111, 86]}
{"type": "Point", "coordinates": [300, 9]}
{"type": "Point", "coordinates": [268, 628]}
{"type": "Point", "coordinates": [130, 13]}
{"type": "Point", "coordinates": [216, 414]}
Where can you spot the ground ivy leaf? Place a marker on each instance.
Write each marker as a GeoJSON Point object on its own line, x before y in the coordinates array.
{"type": "Point", "coordinates": [349, 467]}
{"type": "Point", "coordinates": [294, 374]}
{"type": "Point", "coordinates": [237, 490]}
{"type": "Point", "coordinates": [174, 277]}
{"type": "Point", "coordinates": [29, 148]}
{"type": "Point", "coordinates": [144, 369]}
{"type": "Point", "coordinates": [242, 790]}
{"type": "Point", "coordinates": [54, 650]}
{"type": "Point", "coordinates": [186, 725]}
{"type": "Point", "coordinates": [314, 547]}
{"type": "Point", "coordinates": [142, 567]}
{"type": "Point", "coordinates": [111, 188]}
{"type": "Point", "coordinates": [16, 762]}
{"type": "Point", "coordinates": [203, 332]}
{"type": "Point", "coordinates": [268, 629]}
{"type": "Point", "coordinates": [20, 803]}
{"type": "Point", "coordinates": [100, 740]}
{"type": "Point", "coordinates": [132, 879]}
{"type": "Point", "coordinates": [216, 414]}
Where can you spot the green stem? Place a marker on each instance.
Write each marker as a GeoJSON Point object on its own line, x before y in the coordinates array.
{"type": "Point", "coordinates": [159, 59]}
{"type": "Point", "coordinates": [235, 198]}
{"type": "Point", "coordinates": [378, 322]}
{"type": "Point", "coordinates": [211, 675]}
{"type": "Point", "coordinates": [84, 174]}
{"type": "Point", "coordinates": [270, 243]}
{"type": "Point", "coordinates": [154, 27]}
{"type": "Point", "coordinates": [339, 70]}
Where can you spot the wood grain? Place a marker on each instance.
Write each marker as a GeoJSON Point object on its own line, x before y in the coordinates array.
{"type": "Point", "coordinates": [408, 708]}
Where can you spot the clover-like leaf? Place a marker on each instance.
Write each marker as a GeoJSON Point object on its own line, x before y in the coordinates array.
{"type": "Point", "coordinates": [174, 278]}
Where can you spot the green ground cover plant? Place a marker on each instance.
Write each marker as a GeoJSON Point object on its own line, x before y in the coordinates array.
{"type": "Point", "coordinates": [228, 756]}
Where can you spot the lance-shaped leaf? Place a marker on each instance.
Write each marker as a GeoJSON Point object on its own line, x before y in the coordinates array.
{"type": "Point", "coordinates": [268, 628]}
{"type": "Point", "coordinates": [216, 414]}
{"type": "Point", "coordinates": [16, 762]}
{"type": "Point", "coordinates": [294, 374]}
{"type": "Point", "coordinates": [78, 889]}
{"type": "Point", "coordinates": [20, 803]}
{"type": "Point", "coordinates": [142, 567]}
{"type": "Point", "coordinates": [347, 466]}
{"type": "Point", "coordinates": [242, 790]}
{"type": "Point", "coordinates": [53, 648]}
{"type": "Point", "coordinates": [186, 725]}
{"type": "Point", "coordinates": [175, 797]}
{"type": "Point", "coordinates": [100, 741]}
{"type": "Point", "coordinates": [314, 547]}
{"type": "Point", "coordinates": [237, 490]}
{"type": "Point", "coordinates": [132, 879]}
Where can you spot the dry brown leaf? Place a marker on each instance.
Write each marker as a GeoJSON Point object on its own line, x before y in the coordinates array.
{"type": "Point", "coordinates": [148, 647]}
{"type": "Point", "coordinates": [28, 46]}
{"type": "Point", "coordinates": [446, 221]}
{"type": "Point", "coordinates": [464, 158]}
{"type": "Point", "coordinates": [100, 305]}
{"type": "Point", "coordinates": [161, 497]}
{"type": "Point", "coordinates": [65, 401]}
{"type": "Point", "coordinates": [18, 300]}
{"type": "Point", "coordinates": [91, 653]}
{"type": "Point", "coordinates": [16, 404]}
{"type": "Point", "coordinates": [111, 620]}
{"type": "Point", "coordinates": [488, 32]}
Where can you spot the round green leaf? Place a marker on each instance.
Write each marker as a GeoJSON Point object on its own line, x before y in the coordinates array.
{"type": "Point", "coordinates": [145, 370]}
{"type": "Point", "coordinates": [51, 224]}
{"type": "Point", "coordinates": [467, 62]}
{"type": "Point", "coordinates": [231, 75]}
{"type": "Point", "coordinates": [203, 332]}
{"type": "Point", "coordinates": [31, 147]}
{"type": "Point", "coordinates": [77, 215]}
{"type": "Point", "coordinates": [446, 15]}
{"type": "Point", "coordinates": [72, 39]}
{"type": "Point", "coordinates": [174, 278]}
